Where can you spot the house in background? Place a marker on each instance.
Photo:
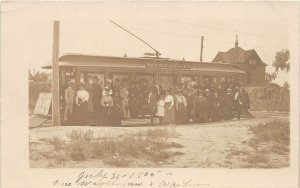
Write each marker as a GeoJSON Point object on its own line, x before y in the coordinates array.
{"type": "Point", "coordinates": [249, 62]}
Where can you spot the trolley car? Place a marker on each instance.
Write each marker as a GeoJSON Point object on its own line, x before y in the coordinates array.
{"type": "Point", "coordinates": [167, 72]}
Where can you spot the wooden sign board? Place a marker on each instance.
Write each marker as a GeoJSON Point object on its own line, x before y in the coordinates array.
{"type": "Point", "coordinates": [42, 106]}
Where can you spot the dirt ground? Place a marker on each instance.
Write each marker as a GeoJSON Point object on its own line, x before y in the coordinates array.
{"type": "Point", "coordinates": [208, 145]}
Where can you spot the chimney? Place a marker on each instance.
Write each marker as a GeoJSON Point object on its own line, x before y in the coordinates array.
{"type": "Point", "coordinates": [236, 41]}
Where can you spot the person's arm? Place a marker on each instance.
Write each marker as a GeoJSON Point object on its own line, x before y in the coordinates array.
{"type": "Point", "coordinates": [172, 102]}
{"type": "Point", "coordinates": [87, 96]}
{"type": "Point", "coordinates": [76, 99]}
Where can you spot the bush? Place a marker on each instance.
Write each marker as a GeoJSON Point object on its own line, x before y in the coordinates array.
{"type": "Point", "coordinates": [118, 151]}
{"type": "Point", "coordinates": [274, 131]}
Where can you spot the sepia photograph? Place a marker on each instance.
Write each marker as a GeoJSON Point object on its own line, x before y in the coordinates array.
{"type": "Point", "coordinates": [218, 102]}
{"type": "Point", "coordinates": [162, 85]}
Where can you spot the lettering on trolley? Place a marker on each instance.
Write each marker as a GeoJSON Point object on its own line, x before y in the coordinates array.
{"type": "Point", "coordinates": [167, 66]}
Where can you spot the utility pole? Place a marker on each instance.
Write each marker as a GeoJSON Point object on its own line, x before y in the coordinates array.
{"type": "Point", "coordinates": [55, 76]}
{"type": "Point", "coordinates": [201, 52]}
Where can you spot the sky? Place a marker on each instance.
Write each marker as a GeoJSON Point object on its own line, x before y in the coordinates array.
{"type": "Point", "coordinates": [172, 28]}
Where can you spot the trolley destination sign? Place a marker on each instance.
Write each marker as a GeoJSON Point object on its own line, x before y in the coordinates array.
{"type": "Point", "coordinates": [167, 66]}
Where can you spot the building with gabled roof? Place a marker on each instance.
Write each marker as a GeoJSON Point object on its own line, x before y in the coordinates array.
{"type": "Point", "coordinates": [248, 60]}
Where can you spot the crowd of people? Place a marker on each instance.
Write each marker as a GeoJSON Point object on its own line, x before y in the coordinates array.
{"type": "Point", "coordinates": [190, 101]}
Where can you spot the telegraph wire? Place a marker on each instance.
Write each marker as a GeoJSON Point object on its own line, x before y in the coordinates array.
{"type": "Point", "coordinates": [227, 30]}
{"type": "Point", "coordinates": [199, 37]}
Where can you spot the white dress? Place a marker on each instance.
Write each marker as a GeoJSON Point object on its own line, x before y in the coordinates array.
{"type": "Point", "coordinates": [161, 108]}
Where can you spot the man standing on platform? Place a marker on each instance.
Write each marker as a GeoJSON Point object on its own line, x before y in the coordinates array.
{"type": "Point", "coordinates": [69, 99]}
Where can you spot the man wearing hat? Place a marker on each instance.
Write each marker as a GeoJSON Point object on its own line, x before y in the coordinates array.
{"type": "Point", "coordinates": [69, 99]}
{"type": "Point", "coordinates": [82, 97]}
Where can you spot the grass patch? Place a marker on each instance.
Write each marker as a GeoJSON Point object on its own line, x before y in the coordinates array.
{"type": "Point", "coordinates": [272, 131]}
{"type": "Point", "coordinates": [239, 152]}
{"type": "Point", "coordinates": [257, 158]}
{"type": "Point", "coordinates": [118, 151]}
{"type": "Point", "coordinates": [269, 138]}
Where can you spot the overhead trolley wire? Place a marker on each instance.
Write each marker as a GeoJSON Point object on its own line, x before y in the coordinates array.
{"type": "Point", "coordinates": [228, 30]}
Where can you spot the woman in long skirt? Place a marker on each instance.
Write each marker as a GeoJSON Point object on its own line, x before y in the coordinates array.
{"type": "Point", "coordinates": [180, 108]}
{"type": "Point", "coordinates": [82, 96]}
{"type": "Point", "coordinates": [161, 109]}
{"type": "Point", "coordinates": [169, 108]}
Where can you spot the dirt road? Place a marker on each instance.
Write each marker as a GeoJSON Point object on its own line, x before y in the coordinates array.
{"type": "Point", "coordinates": [208, 145]}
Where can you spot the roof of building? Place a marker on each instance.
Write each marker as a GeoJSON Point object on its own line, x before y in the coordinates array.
{"type": "Point", "coordinates": [237, 55]}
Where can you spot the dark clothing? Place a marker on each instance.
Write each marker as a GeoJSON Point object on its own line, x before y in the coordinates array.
{"type": "Point", "coordinates": [107, 103]}
{"type": "Point", "coordinates": [180, 114]}
{"type": "Point", "coordinates": [209, 106]}
{"type": "Point", "coordinates": [245, 101]}
{"type": "Point", "coordinates": [96, 96]}
{"type": "Point", "coordinates": [245, 104]}
{"type": "Point", "coordinates": [216, 108]}
{"type": "Point", "coordinates": [117, 111]}
{"type": "Point", "coordinates": [200, 110]}
{"type": "Point", "coordinates": [228, 104]}
{"type": "Point", "coordinates": [238, 104]}
{"type": "Point", "coordinates": [133, 103]}
{"type": "Point", "coordinates": [151, 105]}
{"type": "Point", "coordinates": [189, 106]}
{"type": "Point", "coordinates": [81, 113]}
{"type": "Point", "coordinates": [107, 118]}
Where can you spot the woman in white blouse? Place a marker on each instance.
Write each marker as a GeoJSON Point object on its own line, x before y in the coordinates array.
{"type": "Point", "coordinates": [169, 108]}
{"type": "Point", "coordinates": [82, 97]}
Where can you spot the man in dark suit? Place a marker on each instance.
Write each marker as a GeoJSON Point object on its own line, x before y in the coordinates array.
{"type": "Point", "coordinates": [96, 94]}
{"type": "Point", "coordinates": [152, 103]}
{"type": "Point", "coordinates": [237, 102]}
{"type": "Point", "coordinates": [228, 102]}
{"type": "Point", "coordinates": [208, 104]}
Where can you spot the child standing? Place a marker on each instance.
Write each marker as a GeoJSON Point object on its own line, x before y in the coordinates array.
{"type": "Point", "coordinates": [161, 109]}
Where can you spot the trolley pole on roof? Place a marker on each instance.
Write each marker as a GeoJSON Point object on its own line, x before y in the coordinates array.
{"type": "Point", "coordinates": [201, 52]}
{"type": "Point", "coordinates": [55, 76]}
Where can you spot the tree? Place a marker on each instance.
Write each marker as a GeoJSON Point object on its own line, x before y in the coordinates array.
{"type": "Point", "coordinates": [270, 76]}
{"type": "Point", "coordinates": [281, 63]}
{"type": "Point", "coordinates": [38, 76]}
{"type": "Point", "coordinates": [286, 85]}
{"type": "Point", "coordinates": [282, 60]}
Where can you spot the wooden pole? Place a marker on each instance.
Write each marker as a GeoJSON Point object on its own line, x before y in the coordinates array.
{"type": "Point", "coordinates": [201, 52]}
{"type": "Point", "coordinates": [55, 76]}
